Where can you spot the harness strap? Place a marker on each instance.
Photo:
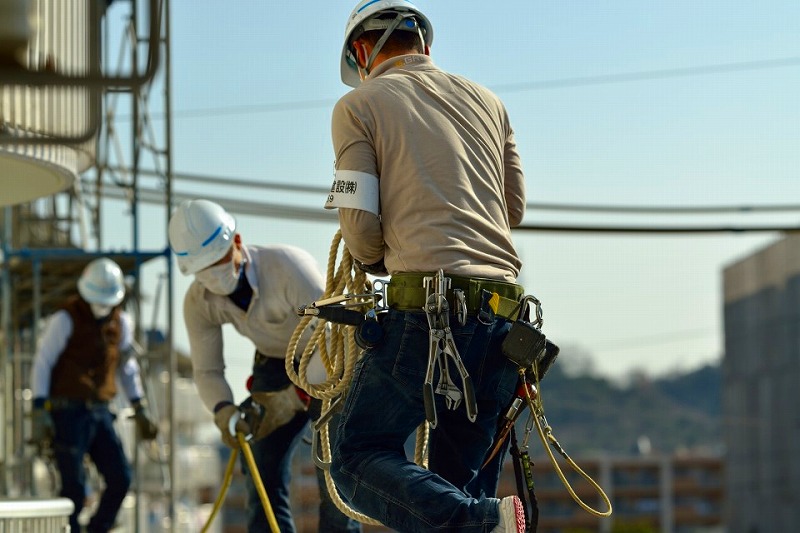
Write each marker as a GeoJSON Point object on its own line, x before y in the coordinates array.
{"type": "Point", "coordinates": [524, 479]}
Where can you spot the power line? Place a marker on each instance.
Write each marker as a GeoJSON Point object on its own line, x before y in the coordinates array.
{"type": "Point", "coordinates": [533, 206]}
{"type": "Point", "coordinates": [645, 75]}
{"type": "Point", "coordinates": [580, 81]}
{"type": "Point", "coordinates": [688, 210]}
{"type": "Point", "coordinates": [242, 207]}
{"type": "Point", "coordinates": [656, 229]}
{"type": "Point", "coordinates": [631, 343]}
{"type": "Point", "coordinates": [317, 214]}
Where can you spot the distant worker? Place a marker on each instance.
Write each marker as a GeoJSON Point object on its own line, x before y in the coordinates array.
{"type": "Point", "coordinates": [428, 180]}
{"type": "Point", "coordinates": [85, 348]}
{"type": "Point", "coordinates": [258, 290]}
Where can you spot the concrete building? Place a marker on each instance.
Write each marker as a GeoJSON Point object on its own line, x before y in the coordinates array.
{"type": "Point", "coordinates": [761, 374]}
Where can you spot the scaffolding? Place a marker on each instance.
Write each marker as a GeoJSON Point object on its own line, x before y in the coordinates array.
{"type": "Point", "coordinates": [60, 149]}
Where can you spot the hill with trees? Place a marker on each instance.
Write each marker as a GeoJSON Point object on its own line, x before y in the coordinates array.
{"type": "Point", "coordinates": [592, 415]}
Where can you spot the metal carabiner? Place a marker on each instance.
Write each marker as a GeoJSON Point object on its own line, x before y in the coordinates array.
{"type": "Point", "coordinates": [524, 306]}
{"type": "Point", "coordinates": [233, 421]}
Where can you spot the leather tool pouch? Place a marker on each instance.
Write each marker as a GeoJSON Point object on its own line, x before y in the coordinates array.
{"type": "Point", "coordinates": [527, 346]}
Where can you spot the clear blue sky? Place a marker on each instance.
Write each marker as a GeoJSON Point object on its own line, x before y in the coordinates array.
{"type": "Point", "coordinates": [621, 121]}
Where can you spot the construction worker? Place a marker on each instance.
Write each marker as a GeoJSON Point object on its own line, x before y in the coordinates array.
{"type": "Point", "coordinates": [428, 178]}
{"type": "Point", "coordinates": [258, 290]}
{"type": "Point", "coordinates": [86, 346]}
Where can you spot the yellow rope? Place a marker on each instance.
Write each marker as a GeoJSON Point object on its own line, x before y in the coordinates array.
{"type": "Point", "coordinates": [339, 353]}
{"type": "Point", "coordinates": [262, 492]}
{"type": "Point", "coordinates": [546, 435]}
{"type": "Point", "coordinates": [226, 483]}
{"type": "Point", "coordinates": [339, 361]}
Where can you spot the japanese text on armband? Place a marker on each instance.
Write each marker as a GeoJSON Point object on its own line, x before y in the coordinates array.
{"type": "Point", "coordinates": [346, 187]}
{"type": "Point", "coordinates": [355, 190]}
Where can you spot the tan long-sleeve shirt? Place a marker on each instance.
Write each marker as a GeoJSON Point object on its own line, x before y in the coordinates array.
{"type": "Point", "coordinates": [450, 178]}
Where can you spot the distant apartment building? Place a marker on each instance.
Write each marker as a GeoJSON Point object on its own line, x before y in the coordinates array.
{"type": "Point", "coordinates": [761, 389]}
{"type": "Point", "coordinates": [676, 494]}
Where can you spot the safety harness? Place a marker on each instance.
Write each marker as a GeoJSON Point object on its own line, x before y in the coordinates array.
{"type": "Point", "coordinates": [348, 310]}
{"type": "Point", "coordinates": [527, 346]}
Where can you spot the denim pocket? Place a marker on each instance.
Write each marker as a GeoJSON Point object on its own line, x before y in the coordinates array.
{"type": "Point", "coordinates": [409, 335]}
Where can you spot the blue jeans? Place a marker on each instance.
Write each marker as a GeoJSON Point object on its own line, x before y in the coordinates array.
{"type": "Point", "coordinates": [82, 430]}
{"type": "Point", "coordinates": [273, 456]}
{"type": "Point", "coordinates": [384, 406]}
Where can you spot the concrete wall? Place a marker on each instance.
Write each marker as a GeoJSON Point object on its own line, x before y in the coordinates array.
{"type": "Point", "coordinates": [761, 389]}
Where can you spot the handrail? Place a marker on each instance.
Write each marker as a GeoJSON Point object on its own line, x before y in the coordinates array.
{"type": "Point", "coordinates": [35, 507]}
{"type": "Point", "coordinates": [38, 138]}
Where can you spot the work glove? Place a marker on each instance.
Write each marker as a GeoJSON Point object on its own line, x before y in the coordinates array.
{"type": "Point", "coordinates": [43, 429]}
{"type": "Point", "coordinates": [278, 408]}
{"type": "Point", "coordinates": [222, 419]}
{"type": "Point", "coordinates": [376, 269]}
{"type": "Point", "coordinates": [145, 427]}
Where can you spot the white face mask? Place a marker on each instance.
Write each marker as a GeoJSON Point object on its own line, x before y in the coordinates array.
{"type": "Point", "coordinates": [220, 279]}
{"type": "Point", "coordinates": [101, 311]}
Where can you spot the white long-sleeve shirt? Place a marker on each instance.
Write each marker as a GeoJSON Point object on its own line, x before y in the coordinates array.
{"type": "Point", "coordinates": [54, 339]}
{"type": "Point", "coordinates": [283, 278]}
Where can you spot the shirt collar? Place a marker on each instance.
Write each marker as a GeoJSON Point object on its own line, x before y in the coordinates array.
{"type": "Point", "coordinates": [251, 272]}
{"type": "Point", "coordinates": [404, 61]}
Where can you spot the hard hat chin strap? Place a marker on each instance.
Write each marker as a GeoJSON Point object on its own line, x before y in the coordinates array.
{"type": "Point", "coordinates": [385, 37]}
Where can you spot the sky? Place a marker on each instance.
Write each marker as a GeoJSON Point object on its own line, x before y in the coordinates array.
{"type": "Point", "coordinates": [623, 103]}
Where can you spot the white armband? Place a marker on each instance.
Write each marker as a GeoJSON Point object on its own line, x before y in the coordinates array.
{"type": "Point", "coordinates": [355, 190]}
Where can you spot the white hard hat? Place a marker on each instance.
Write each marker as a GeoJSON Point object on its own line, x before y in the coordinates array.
{"type": "Point", "coordinates": [358, 23]}
{"type": "Point", "coordinates": [200, 234]}
{"type": "Point", "coordinates": [101, 283]}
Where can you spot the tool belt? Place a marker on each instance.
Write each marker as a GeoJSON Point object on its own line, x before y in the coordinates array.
{"type": "Point", "coordinates": [406, 292]}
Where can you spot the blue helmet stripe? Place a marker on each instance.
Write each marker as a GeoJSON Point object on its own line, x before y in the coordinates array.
{"type": "Point", "coordinates": [213, 236]}
{"type": "Point", "coordinates": [204, 243]}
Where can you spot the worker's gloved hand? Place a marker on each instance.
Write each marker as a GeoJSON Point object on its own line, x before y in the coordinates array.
{"type": "Point", "coordinates": [146, 428]}
{"type": "Point", "coordinates": [43, 429]}
{"type": "Point", "coordinates": [222, 418]}
{"type": "Point", "coordinates": [278, 408]}
{"type": "Point", "coordinates": [376, 269]}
